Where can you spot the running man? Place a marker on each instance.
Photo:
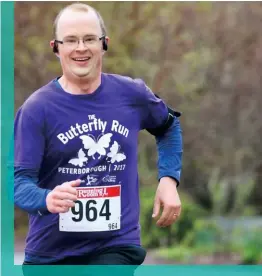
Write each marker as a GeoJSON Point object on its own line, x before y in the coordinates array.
{"type": "Point", "coordinates": [76, 145]}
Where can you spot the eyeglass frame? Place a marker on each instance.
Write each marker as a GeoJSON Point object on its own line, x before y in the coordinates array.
{"type": "Point", "coordinates": [62, 42]}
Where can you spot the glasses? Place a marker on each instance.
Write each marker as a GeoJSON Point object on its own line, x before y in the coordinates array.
{"type": "Point", "coordinates": [73, 42]}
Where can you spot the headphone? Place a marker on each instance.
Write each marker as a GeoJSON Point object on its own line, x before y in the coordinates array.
{"type": "Point", "coordinates": [55, 48]}
{"type": "Point", "coordinates": [104, 45]}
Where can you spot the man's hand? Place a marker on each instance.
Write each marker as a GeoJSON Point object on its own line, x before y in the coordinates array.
{"type": "Point", "coordinates": [168, 198]}
{"type": "Point", "coordinates": [62, 197]}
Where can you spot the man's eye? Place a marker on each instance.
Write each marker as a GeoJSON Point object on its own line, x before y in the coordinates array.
{"type": "Point", "coordinates": [90, 39]}
{"type": "Point", "coordinates": [71, 40]}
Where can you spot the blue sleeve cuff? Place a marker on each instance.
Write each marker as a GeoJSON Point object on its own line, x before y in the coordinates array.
{"type": "Point", "coordinates": [170, 151]}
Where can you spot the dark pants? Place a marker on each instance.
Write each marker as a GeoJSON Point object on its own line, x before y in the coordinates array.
{"type": "Point", "coordinates": [122, 260]}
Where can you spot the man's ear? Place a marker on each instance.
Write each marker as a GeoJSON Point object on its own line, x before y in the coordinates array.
{"type": "Point", "coordinates": [107, 39]}
{"type": "Point", "coordinates": [52, 43]}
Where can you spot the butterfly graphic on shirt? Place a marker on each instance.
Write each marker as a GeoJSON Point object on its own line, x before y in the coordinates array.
{"type": "Point", "coordinates": [98, 145]}
{"type": "Point", "coordinates": [80, 160]}
{"type": "Point", "coordinates": [114, 153]}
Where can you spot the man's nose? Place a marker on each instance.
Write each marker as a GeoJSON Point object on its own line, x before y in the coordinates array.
{"type": "Point", "coordinates": [81, 46]}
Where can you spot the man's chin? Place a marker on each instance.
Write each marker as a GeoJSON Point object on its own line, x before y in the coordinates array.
{"type": "Point", "coordinates": [82, 75]}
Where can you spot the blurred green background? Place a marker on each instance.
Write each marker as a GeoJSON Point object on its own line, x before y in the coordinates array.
{"type": "Point", "coordinates": [204, 59]}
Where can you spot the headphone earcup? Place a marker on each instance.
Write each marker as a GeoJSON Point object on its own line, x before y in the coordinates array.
{"type": "Point", "coordinates": [105, 46]}
{"type": "Point", "coordinates": [55, 48]}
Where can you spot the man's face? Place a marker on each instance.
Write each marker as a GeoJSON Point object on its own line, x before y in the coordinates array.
{"type": "Point", "coordinates": [77, 60]}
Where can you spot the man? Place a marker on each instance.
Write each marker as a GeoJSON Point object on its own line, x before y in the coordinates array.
{"type": "Point", "coordinates": [76, 154]}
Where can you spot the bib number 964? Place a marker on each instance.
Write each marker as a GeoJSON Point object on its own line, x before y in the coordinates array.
{"type": "Point", "coordinates": [96, 209]}
{"type": "Point", "coordinates": [88, 210]}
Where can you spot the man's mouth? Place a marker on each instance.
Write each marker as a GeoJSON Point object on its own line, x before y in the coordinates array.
{"type": "Point", "coordinates": [81, 59]}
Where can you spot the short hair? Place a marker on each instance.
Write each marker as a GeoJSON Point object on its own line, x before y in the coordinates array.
{"type": "Point", "coordinates": [83, 8]}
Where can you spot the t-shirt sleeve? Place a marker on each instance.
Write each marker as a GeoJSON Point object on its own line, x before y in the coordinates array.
{"type": "Point", "coordinates": [154, 110]}
{"type": "Point", "coordinates": [29, 140]}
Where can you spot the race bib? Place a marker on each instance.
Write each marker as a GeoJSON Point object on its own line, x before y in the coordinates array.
{"type": "Point", "coordinates": [96, 209]}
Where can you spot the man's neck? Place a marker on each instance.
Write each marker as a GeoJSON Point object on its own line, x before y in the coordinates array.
{"type": "Point", "coordinates": [80, 87]}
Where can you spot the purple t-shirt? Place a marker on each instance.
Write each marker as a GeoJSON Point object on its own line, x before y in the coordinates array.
{"type": "Point", "coordinates": [94, 138]}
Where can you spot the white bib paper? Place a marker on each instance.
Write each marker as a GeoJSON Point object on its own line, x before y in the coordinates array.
{"type": "Point", "coordinates": [96, 209]}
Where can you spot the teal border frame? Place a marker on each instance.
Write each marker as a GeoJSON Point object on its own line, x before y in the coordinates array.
{"type": "Point", "coordinates": [7, 204]}
{"type": "Point", "coordinates": [0, 152]}
{"type": "Point", "coordinates": [7, 114]}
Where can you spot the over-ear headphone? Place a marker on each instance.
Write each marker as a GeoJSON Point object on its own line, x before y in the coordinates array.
{"type": "Point", "coordinates": [55, 47]}
{"type": "Point", "coordinates": [104, 45]}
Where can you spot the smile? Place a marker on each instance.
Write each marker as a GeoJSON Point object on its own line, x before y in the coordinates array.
{"type": "Point", "coordinates": [81, 59]}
